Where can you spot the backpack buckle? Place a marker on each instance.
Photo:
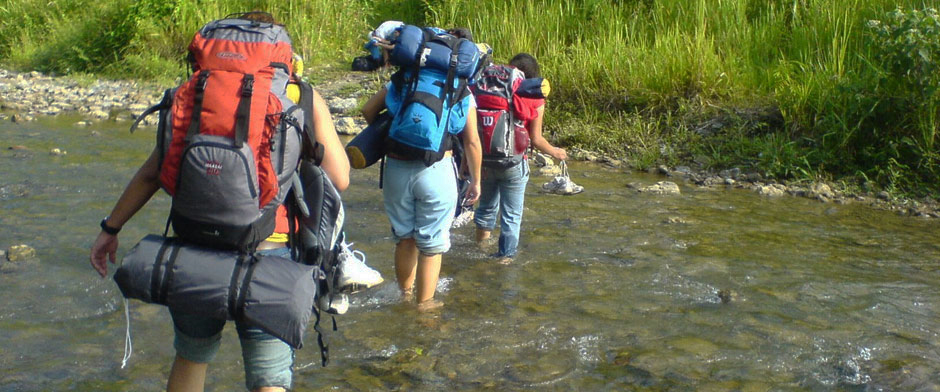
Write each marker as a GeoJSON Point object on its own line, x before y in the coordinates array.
{"type": "Point", "coordinates": [248, 85]}
{"type": "Point", "coordinates": [202, 81]}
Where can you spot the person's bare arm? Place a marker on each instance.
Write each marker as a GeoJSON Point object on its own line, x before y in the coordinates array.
{"type": "Point", "coordinates": [138, 191]}
{"type": "Point", "coordinates": [473, 155]}
{"type": "Point", "coordinates": [539, 141]}
{"type": "Point", "coordinates": [335, 163]}
{"type": "Point", "coordinates": [374, 105]}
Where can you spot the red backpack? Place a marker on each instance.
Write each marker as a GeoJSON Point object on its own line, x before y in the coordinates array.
{"type": "Point", "coordinates": [501, 126]}
{"type": "Point", "coordinates": [230, 136]}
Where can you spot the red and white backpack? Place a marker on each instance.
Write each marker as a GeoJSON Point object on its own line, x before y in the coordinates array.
{"type": "Point", "coordinates": [502, 131]}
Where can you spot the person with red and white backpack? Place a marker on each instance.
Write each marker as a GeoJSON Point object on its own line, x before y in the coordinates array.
{"type": "Point", "coordinates": [508, 123]}
{"type": "Point", "coordinates": [230, 139]}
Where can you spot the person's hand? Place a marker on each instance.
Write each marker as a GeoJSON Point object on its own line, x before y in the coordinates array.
{"type": "Point", "coordinates": [103, 250]}
{"type": "Point", "coordinates": [384, 44]}
{"type": "Point", "coordinates": [559, 154]}
{"type": "Point", "coordinates": [473, 193]}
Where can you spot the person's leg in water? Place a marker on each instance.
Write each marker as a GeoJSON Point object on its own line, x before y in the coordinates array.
{"type": "Point", "coordinates": [197, 341]}
{"type": "Point", "coordinates": [186, 376]}
{"type": "Point", "coordinates": [420, 205]}
{"type": "Point", "coordinates": [417, 272]}
{"type": "Point", "coordinates": [485, 215]}
{"type": "Point", "coordinates": [406, 264]}
{"type": "Point", "coordinates": [512, 190]}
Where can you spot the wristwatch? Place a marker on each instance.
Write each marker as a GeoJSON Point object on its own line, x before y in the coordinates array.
{"type": "Point", "coordinates": [108, 229]}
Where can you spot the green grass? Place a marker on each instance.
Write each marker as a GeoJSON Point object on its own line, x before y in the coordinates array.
{"type": "Point", "coordinates": [801, 88]}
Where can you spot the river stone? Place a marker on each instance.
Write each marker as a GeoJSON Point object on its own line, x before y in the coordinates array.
{"type": "Point", "coordinates": [99, 113]}
{"type": "Point", "coordinates": [772, 190]}
{"type": "Point", "coordinates": [21, 118]}
{"type": "Point", "coordinates": [550, 171]}
{"type": "Point", "coordinates": [347, 126]}
{"type": "Point", "coordinates": [820, 189]}
{"type": "Point", "coordinates": [730, 173]}
{"type": "Point", "coordinates": [343, 105]}
{"type": "Point", "coordinates": [711, 181]}
{"type": "Point", "coordinates": [19, 253]}
{"type": "Point", "coordinates": [674, 220]}
{"type": "Point", "coordinates": [662, 188]}
{"type": "Point", "coordinates": [540, 160]}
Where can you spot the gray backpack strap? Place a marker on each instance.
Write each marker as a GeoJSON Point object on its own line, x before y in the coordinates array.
{"type": "Point", "coordinates": [165, 103]}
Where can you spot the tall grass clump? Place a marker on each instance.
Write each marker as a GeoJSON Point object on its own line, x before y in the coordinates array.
{"type": "Point", "coordinates": [148, 38]}
{"type": "Point", "coordinates": [793, 88]}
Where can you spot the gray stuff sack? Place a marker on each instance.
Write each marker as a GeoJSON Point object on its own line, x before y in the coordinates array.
{"type": "Point", "coordinates": [272, 293]}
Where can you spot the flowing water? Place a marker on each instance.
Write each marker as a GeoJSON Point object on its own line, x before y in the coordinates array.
{"type": "Point", "coordinates": [612, 290]}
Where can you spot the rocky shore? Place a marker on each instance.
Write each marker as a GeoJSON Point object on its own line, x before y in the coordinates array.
{"type": "Point", "coordinates": [26, 96]}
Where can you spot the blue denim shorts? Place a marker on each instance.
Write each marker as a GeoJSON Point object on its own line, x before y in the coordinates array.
{"type": "Point", "coordinates": [268, 360]}
{"type": "Point", "coordinates": [420, 202]}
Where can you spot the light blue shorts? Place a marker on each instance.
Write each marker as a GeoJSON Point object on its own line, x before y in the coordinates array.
{"type": "Point", "coordinates": [268, 360]}
{"type": "Point", "coordinates": [420, 202]}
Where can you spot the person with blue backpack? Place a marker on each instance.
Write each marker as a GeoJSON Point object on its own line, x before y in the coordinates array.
{"type": "Point", "coordinates": [432, 109]}
{"type": "Point", "coordinates": [511, 121]}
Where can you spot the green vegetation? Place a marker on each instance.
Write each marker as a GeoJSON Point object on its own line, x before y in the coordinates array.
{"type": "Point", "coordinates": [837, 89]}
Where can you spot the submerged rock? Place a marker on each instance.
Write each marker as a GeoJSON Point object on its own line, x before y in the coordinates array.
{"type": "Point", "coordinates": [17, 258]}
{"type": "Point", "coordinates": [19, 253]}
{"type": "Point", "coordinates": [662, 188]}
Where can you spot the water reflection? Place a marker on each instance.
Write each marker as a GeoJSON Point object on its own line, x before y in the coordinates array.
{"type": "Point", "coordinates": [612, 290]}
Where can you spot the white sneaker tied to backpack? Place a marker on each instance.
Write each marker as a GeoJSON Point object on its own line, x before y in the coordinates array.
{"type": "Point", "coordinates": [334, 303]}
{"type": "Point", "coordinates": [354, 274]}
{"type": "Point", "coordinates": [562, 185]}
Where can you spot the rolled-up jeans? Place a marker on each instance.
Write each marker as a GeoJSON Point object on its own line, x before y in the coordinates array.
{"type": "Point", "coordinates": [503, 191]}
{"type": "Point", "coordinates": [268, 360]}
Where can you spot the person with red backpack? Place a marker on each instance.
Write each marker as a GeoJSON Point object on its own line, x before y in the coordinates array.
{"type": "Point", "coordinates": [509, 123]}
{"type": "Point", "coordinates": [241, 106]}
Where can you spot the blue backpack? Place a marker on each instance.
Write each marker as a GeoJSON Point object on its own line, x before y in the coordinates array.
{"type": "Point", "coordinates": [428, 98]}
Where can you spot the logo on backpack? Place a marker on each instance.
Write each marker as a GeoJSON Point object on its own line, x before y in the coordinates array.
{"type": "Point", "coordinates": [213, 168]}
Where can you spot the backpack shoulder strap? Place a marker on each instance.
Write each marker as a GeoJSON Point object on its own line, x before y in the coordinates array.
{"type": "Point", "coordinates": [165, 103]}
{"type": "Point", "coordinates": [311, 148]}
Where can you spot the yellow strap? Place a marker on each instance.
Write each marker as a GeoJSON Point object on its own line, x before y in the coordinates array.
{"type": "Point", "coordinates": [277, 237]}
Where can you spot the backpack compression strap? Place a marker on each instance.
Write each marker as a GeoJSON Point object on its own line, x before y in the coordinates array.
{"type": "Point", "coordinates": [243, 113]}
{"type": "Point", "coordinates": [197, 105]}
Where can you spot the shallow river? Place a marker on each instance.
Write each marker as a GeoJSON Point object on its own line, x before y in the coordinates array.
{"type": "Point", "coordinates": [613, 290]}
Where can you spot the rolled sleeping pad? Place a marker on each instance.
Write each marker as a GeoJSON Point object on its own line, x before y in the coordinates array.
{"type": "Point", "coordinates": [369, 145]}
{"type": "Point", "coordinates": [272, 293]}
{"type": "Point", "coordinates": [534, 88]}
{"type": "Point", "coordinates": [412, 49]}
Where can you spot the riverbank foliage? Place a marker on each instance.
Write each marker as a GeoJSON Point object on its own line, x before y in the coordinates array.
{"type": "Point", "coordinates": [805, 89]}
